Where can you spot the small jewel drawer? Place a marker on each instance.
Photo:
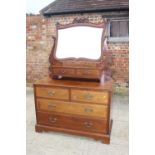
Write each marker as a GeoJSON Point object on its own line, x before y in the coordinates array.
{"type": "Point", "coordinates": [87, 72]}
{"type": "Point", "coordinates": [63, 71]}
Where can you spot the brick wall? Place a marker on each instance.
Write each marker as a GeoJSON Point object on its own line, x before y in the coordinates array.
{"type": "Point", "coordinates": [39, 43]}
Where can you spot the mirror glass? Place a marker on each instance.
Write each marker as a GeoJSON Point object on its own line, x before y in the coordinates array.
{"type": "Point", "coordinates": [79, 42]}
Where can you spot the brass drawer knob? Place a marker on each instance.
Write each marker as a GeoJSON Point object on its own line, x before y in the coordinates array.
{"type": "Point", "coordinates": [52, 119]}
{"type": "Point", "coordinates": [88, 96]}
{"type": "Point", "coordinates": [51, 106]}
{"type": "Point", "coordinates": [88, 110]}
{"type": "Point", "coordinates": [51, 93]}
{"type": "Point", "coordinates": [88, 124]}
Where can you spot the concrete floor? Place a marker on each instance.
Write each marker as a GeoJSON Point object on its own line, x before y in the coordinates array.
{"type": "Point", "coordinates": [64, 144]}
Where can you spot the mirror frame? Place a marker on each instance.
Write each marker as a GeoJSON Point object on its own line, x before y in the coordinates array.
{"type": "Point", "coordinates": [79, 22]}
{"type": "Point", "coordinates": [89, 25]}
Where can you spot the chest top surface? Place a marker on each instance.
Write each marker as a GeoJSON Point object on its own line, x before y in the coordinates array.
{"type": "Point", "coordinates": [76, 84]}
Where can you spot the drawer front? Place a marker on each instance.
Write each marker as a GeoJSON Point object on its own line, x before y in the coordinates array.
{"type": "Point", "coordinates": [71, 122]}
{"type": "Point", "coordinates": [53, 93]}
{"type": "Point", "coordinates": [63, 71]}
{"type": "Point", "coordinates": [90, 96]}
{"type": "Point", "coordinates": [87, 72]}
{"type": "Point", "coordinates": [73, 108]}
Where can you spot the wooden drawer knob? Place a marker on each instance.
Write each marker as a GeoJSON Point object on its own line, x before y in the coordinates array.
{"type": "Point", "coordinates": [52, 120]}
{"type": "Point", "coordinates": [88, 124]}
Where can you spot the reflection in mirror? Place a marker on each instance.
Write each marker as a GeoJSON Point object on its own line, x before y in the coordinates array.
{"type": "Point", "coordinates": [79, 42]}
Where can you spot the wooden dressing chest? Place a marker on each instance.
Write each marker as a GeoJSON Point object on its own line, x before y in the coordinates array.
{"type": "Point", "coordinates": [76, 107]}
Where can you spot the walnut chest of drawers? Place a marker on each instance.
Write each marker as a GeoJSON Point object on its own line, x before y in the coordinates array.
{"type": "Point", "coordinates": [81, 108]}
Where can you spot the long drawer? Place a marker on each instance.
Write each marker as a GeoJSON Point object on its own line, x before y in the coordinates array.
{"type": "Point", "coordinates": [95, 110]}
{"type": "Point", "coordinates": [72, 122]}
{"type": "Point", "coordinates": [52, 92]}
{"type": "Point", "coordinates": [90, 96]}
